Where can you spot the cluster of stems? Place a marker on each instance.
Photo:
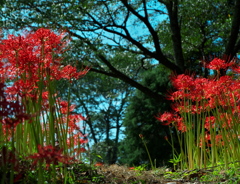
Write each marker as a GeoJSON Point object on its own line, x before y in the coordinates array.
{"type": "Point", "coordinates": [205, 115]}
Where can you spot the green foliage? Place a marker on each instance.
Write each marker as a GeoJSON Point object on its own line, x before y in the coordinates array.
{"type": "Point", "coordinates": [175, 160]}
{"type": "Point", "coordinates": [219, 174]}
{"type": "Point", "coordinates": [140, 167]}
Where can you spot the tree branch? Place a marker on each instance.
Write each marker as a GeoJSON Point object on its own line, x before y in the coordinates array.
{"type": "Point", "coordinates": [117, 74]}
{"type": "Point", "coordinates": [145, 9]}
{"type": "Point", "coordinates": [88, 120]}
{"type": "Point", "coordinates": [172, 7]}
{"type": "Point", "coordinates": [158, 52]}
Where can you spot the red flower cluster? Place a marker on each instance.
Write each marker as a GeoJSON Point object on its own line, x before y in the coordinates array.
{"type": "Point", "coordinates": [217, 64]}
{"type": "Point", "coordinates": [33, 58]}
{"type": "Point", "coordinates": [197, 95]}
{"type": "Point", "coordinates": [99, 164]}
{"type": "Point", "coordinates": [76, 137]}
{"type": "Point", "coordinates": [12, 112]}
{"type": "Point", "coordinates": [170, 119]}
{"type": "Point", "coordinates": [50, 155]}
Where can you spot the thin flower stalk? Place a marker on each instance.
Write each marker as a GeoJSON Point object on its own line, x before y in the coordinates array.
{"type": "Point", "coordinates": [145, 145]}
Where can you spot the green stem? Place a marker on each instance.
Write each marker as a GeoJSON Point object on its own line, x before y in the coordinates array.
{"type": "Point", "coordinates": [150, 159]}
{"type": "Point", "coordinates": [13, 151]}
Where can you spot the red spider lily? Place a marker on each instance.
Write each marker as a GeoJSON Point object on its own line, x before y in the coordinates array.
{"type": "Point", "coordinates": [65, 107]}
{"type": "Point", "coordinates": [227, 120]}
{"type": "Point", "coordinates": [214, 91]}
{"type": "Point", "coordinates": [99, 164]}
{"type": "Point", "coordinates": [49, 154]}
{"type": "Point", "coordinates": [172, 119]}
{"type": "Point", "coordinates": [22, 88]}
{"type": "Point", "coordinates": [217, 139]}
{"type": "Point", "coordinates": [73, 120]}
{"type": "Point", "coordinates": [177, 95]}
{"type": "Point", "coordinates": [12, 112]}
{"type": "Point", "coordinates": [34, 57]}
{"type": "Point", "coordinates": [197, 95]}
{"type": "Point", "coordinates": [166, 138]}
{"type": "Point", "coordinates": [169, 118]}
{"type": "Point", "coordinates": [236, 69]}
{"type": "Point", "coordinates": [209, 122]}
{"type": "Point", "coordinates": [77, 139]}
{"type": "Point", "coordinates": [166, 116]}
{"type": "Point", "coordinates": [182, 82]}
{"type": "Point", "coordinates": [141, 136]}
{"type": "Point", "coordinates": [70, 72]}
{"type": "Point", "coordinates": [78, 151]}
{"type": "Point", "coordinates": [181, 126]}
{"type": "Point", "coordinates": [217, 64]}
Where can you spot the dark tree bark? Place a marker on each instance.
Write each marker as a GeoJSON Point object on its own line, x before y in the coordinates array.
{"type": "Point", "coordinates": [172, 7]}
